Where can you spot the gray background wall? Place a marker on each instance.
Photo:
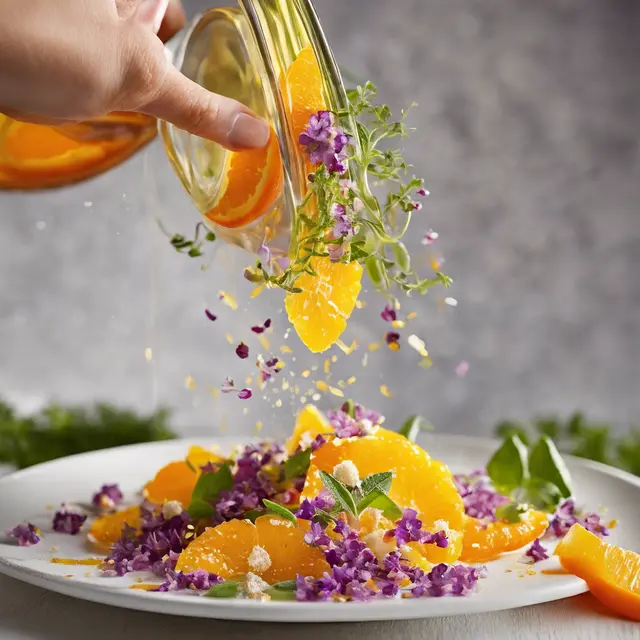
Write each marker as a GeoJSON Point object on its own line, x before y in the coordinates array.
{"type": "Point", "coordinates": [528, 140]}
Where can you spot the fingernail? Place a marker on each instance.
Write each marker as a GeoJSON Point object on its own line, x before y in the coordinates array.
{"type": "Point", "coordinates": [248, 132]}
{"type": "Point", "coordinates": [152, 12]}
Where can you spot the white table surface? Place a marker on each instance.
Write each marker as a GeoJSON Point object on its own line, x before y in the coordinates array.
{"type": "Point", "coordinates": [30, 613]}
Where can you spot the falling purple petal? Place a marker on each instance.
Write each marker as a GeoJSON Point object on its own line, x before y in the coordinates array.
{"type": "Point", "coordinates": [210, 315]}
{"type": "Point", "coordinates": [242, 351]}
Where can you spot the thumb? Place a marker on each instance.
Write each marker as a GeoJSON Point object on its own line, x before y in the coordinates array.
{"type": "Point", "coordinates": [189, 106]}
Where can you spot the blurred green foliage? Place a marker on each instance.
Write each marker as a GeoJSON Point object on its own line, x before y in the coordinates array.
{"type": "Point", "coordinates": [59, 431]}
{"type": "Point", "coordinates": [579, 437]}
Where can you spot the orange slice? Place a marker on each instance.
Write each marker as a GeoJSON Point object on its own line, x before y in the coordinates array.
{"type": "Point", "coordinates": [106, 530]}
{"type": "Point", "coordinates": [311, 422]}
{"type": "Point", "coordinates": [420, 482]}
{"type": "Point", "coordinates": [320, 312]}
{"type": "Point", "coordinates": [486, 541]}
{"type": "Point", "coordinates": [612, 573]}
{"type": "Point", "coordinates": [252, 184]}
{"type": "Point", "coordinates": [223, 550]}
{"type": "Point", "coordinates": [176, 480]}
{"type": "Point", "coordinates": [37, 156]}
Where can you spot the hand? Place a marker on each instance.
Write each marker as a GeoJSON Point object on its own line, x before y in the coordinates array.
{"type": "Point", "coordinates": [72, 60]}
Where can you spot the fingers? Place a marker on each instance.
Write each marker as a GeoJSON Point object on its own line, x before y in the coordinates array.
{"type": "Point", "coordinates": [174, 20]}
{"type": "Point", "coordinates": [189, 106]}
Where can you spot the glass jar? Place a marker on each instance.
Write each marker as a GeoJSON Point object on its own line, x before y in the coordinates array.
{"type": "Point", "coordinates": [244, 53]}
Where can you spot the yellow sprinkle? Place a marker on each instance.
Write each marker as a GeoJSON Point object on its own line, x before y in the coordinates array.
{"type": "Point", "coordinates": [315, 397]}
{"type": "Point", "coordinates": [398, 324]}
{"type": "Point", "coordinates": [435, 262]}
{"type": "Point", "coordinates": [189, 382]}
{"type": "Point", "coordinates": [264, 342]}
{"type": "Point", "coordinates": [245, 410]}
{"type": "Point", "coordinates": [259, 426]}
{"type": "Point", "coordinates": [228, 300]}
{"type": "Point", "coordinates": [279, 402]}
{"type": "Point", "coordinates": [285, 384]}
{"type": "Point", "coordinates": [351, 380]}
{"type": "Point", "coordinates": [345, 349]}
{"type": "Point", "coordinates": [306, 373]}
{"type": "Point", "coordinates": [365, 359]}
{"type": "Point", "coordinates": [418, 344]}
{"type": "Point", "coordinates": [229, 338]}
{"type": "Point", "coordinates": [285, 349]}
{"type": "Point", "coordinates": [214, 392]}
{"type": "Point", "coordinates": [394, 346]}
{"type": "Point", "coordinates": [384, 390]}
{"type": "Point", "coordinates": [374, 346]}
{"type": "Point", "coordinates": [296, 390]}
{"type": "Point", "coordinates": [426, 363]}
{"type": "Point", "coordinates": [334, 358]}
{"type": "Point", "coordinates": [322, 385]}
{"type": "Point", "coordinates": [336, 392]}
{"type": "Point", "coordinates": [327, 365]}
{"type": "Point", "coordinates": [612, 524]}
{"type": "Point", "coordinates": [396, 304]}
{"type": "Point", "coordinates": [148, 354]}
{"type": "Point", "coordinates": [360, 304]}
{"type": "Point", "coordinates": [303, 400]}
{"type": "Point", "coordinates": [412, 315]}
{"type": "Point", "coordinates": [257, 291]}
{"type": "Point", "coordinates": [248, 380]}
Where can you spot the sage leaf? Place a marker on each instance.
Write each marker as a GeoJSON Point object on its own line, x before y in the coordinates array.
{"type": "Point", "coordinates": [281, 511]}
{"type": "Point", "coordinates": [413, 426]}
{"type": "Point", "coordinates": [544, 496]}
{"type": "Point", "coordinates": [285, 590]}
{"type": "Point", "coordinates": [508, 467]}
{"type": "Point", "coordinates": [380, 481]}
{"type": "Point", "coordinates": [227, 589]}
{"type": "Point", "coordinates": [377, 499]}
{"type": "Point", "coordinates": [297, 465]}
{"type": "Point", "coordinates": [546, 463]}
{"type": "Point", "coordinates": [207, 488]}
{"type": "Point", "coordinates": [511, 512]}
{"type": "Point", "coordinates": [340, 492]}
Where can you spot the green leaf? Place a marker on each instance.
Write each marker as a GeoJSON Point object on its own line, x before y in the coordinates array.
{"type": "Point", "coordinates": [509, 428]}
{"type": "Point", "coordinates": [400, 253]}
{"type": "Point", "coordinates": [254, 514]}
{"type": "Point", "coordinates": [381, 481]}
{"type": "Point", "coordinates": [413, 426]}
{"type": "Point", "coordinates": [280, 510]}
{"type": "Point", "coordinates": [508, 467]}
{"type": "Point", "coordinates": [297, 465]}
{"type": "Point", "coordinates": [285, 590]}
{"type": "Point", "coordinates": [542, 495]}
{"type": "Point", "coordinates": [207, 488]}
{"type": "Point", "coordinates": [377, 499]}
{"type": "Point", "coordinates": [511, 512]}
{"type": "Point", "coordinates": [340, 492]}
{"type": "Point", "coordinates": [227, 589]}
{"type": "Point", "coordinates": [200, 509]}
{"type": "Point", "coordinates": [323, 517]}
{"type": "Point", "coordinates": [545, 463]}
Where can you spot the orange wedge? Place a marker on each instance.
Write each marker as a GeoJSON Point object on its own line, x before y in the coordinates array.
{"type": "Point", "coordinates": [311, 422]}
{"type": "Point", "coordinates": [106, 530]}
{"type": "Point", "coordinates": [37, 156]}
{"type": "Point", "coordinates": [252, 184]}
{"type": "Point", "coordinates": [320, 312]}
{"type": "Point", "coordinates": [486, 541]}
{"type": "Point", "coordinates": [420, 482]}
{"type": "Point", "coordinates": [612, 573]}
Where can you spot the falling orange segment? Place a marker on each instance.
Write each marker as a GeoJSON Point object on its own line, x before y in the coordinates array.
{"type": "Point", "coordinates": [289, 553]}
{"type": "Point", "coordinates": [486, 541]}
{"type": "Point", "coordinates": [612, 573]}
{"type": "Point", "coordinates": [106, 530]}
{"type": "Point", "coordinates": [419, 482]}
{"type": "Point", "coordinates": [311, 422]}
{"type": "Point", "coordinates": [37, 156]}
{"type": "Point", "coordinates": [252, 184]}
{"type": "Point", "coordinates": [176, 480]}
{"type": "Point", "coordinates": [223, 550]}
{"type": "Point", "coordinates": [320, 312]}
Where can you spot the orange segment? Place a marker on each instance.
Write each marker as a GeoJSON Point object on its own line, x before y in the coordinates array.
{"type": "Point", "coordinates": [420, 482]}
{"type": "Point", "coordinates": [320, 312]}
{"type": "Point", "coordinates": [448, 554]}
{"type": "Point", "coordinates": [612, 573]}
{"type": "Point", "coordinates": [288, 551]}
{"type": "Point", "coordinates": [311, 422]}
{"type": "Point", "coordinates": [223, 550]}
{"type": "Point", "coordinates": [486, 541]}
{"type": "Point", "coordinates": [106, 530]}
{"type": "Point", "coordinates": [176, 480]}
{"type": "Point", "coordinates": [40, 156]}
{"type": "Point", "coordinates": [252, 184]}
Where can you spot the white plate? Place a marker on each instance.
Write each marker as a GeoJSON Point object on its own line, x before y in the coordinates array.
{"type": "Point", "coordinates": [26, 495]}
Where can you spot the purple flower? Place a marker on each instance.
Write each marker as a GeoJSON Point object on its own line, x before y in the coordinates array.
{"type": "Point", "coordinates": [67, 521]}
{"type": "Point", "coordinates": [342, 225]}
{"type": "Point", "coordinates": [388, 314]}
{"type": "Point", "coordinates": [242, 351]}
{"type": "Point", "coordinates": [337, 251]}
{"type": "Point", "coordinates": [360, 424]}
{"type": "Point", "coordinates": [324, 500]}
{"type": "Point", "coordinates": [316, 536]}
{"type": "Point", "coordinates": [228, 386]}
{"type": "Point", "coordinates": [536, 552]}
{"type": "Point", "coordinates": [446, 580]}
{"type": "Point", "coordinates": [210, 315]}
{"type": "Point", "coordinates": [480, 498]}
{"type": "Point", "coordinates": [26, 534]}
{"type": "Point", "coordinates": [422, 192]}
{"type": "Point", "coordinates": [417, 206]}
{"type": "Point", "coordinates": [262, 328]}
{"type": "Point", "coordinates": [245, 394]}
{"type": "Point", "coordinates": [567, 514]}
{"type": "Point", "coordinates": [392, 339]}
{"type": "Point", "coordinates": [430, 237]}
{"type": "Point", "coordinates": [409, 529]}
{"type": "Point", "coordinates": [325, 142]}
{"type": "Point", "coordinates": [108, 497]}
{"type": "Point", "coordinates": [264, 255]}
{"type": "Point", "coordinates": [268, 368]}
{"type": "Point", "coordinates": [199, 580]}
